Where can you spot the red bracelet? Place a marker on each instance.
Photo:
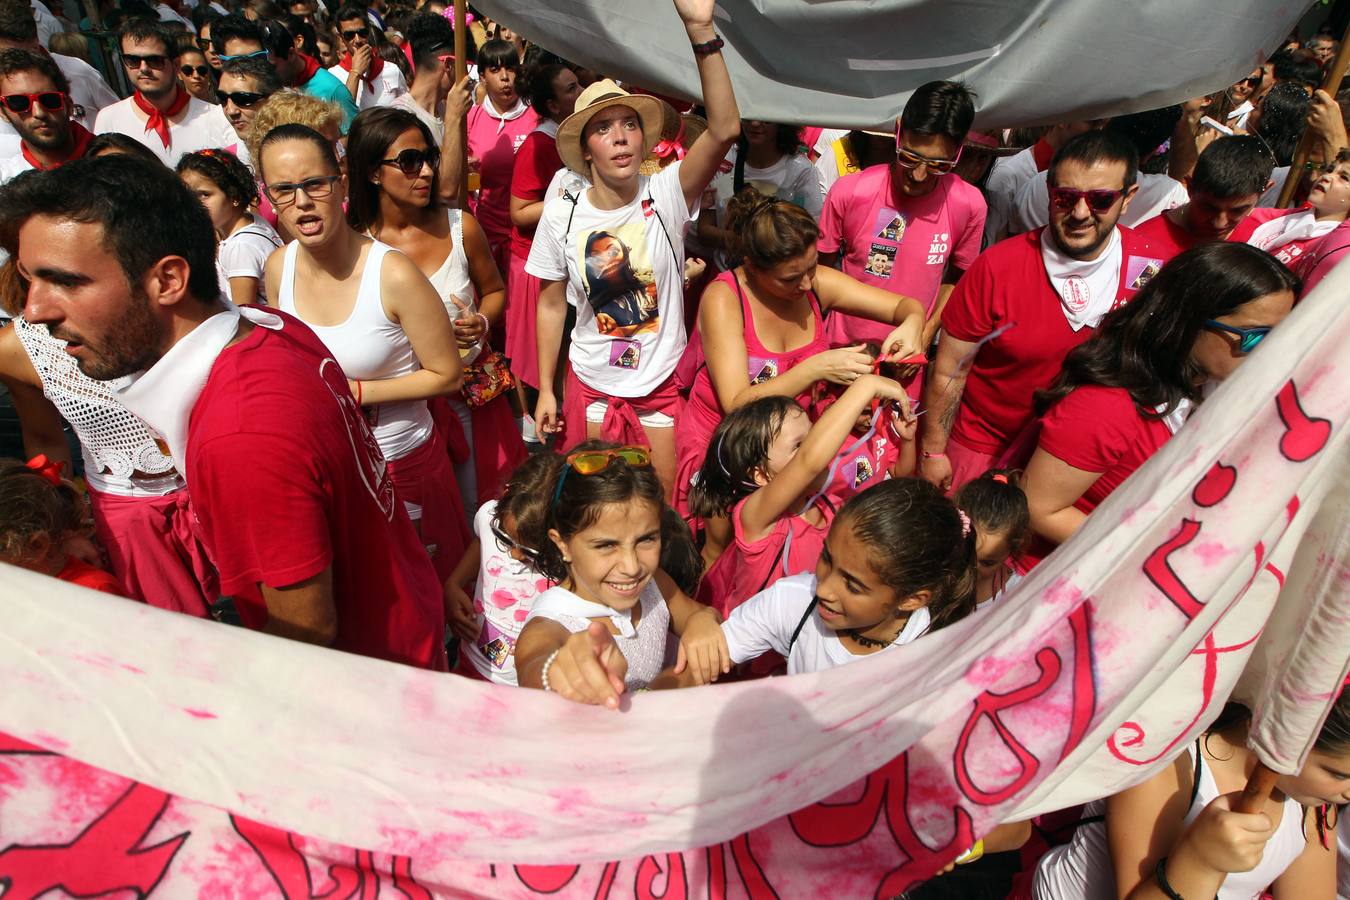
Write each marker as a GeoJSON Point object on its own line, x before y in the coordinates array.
{"type": "Point", "coordinates": [358, 392]}
{"type": "Point", "coordinates": [927, 455]}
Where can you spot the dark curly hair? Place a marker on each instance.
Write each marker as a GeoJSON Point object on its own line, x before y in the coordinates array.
{"type": "Point", "coordinates": [223, 169]}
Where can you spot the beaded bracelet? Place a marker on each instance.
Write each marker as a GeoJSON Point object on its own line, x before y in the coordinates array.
{"type": "Point", "coordinates": [543, 673]}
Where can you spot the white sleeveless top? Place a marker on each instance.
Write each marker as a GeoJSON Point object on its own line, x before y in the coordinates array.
{"type": "Point", "coordinates": [452, 280]}
{"type": "Point", "coordinates": [1082, 868]}
{"type": "Point", "coordinates": [645, 650]}
{"type": "Point", "coordinates": [113, 441]}
{"type": "Point", "coordinates": [369, 347]}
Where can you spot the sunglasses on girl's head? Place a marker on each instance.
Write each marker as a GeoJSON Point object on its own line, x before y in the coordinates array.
{"type": "Point", "coordinates": [241, 99]}
{"type": "Point", "coordinates": [22, 103]}
{"type": "Point", "coordinates": [410, 161]}
{"type": "Point", "coordinates": [201, 71]}
{"type": "Point", "coordinates": [154, 60]}
{"type": "Point", "coordinates": [588, 462]}
{"type": "Point", "coordinates": [1066, 199]}
{"type": "Point", "coordinates": [506, 543]}
{"type": "Point", "coordinates": [1248, 338]}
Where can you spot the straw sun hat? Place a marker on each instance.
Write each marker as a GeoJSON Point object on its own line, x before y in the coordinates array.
{"type": "Point", "coordinates": [598, 97]}
{"type": "Point", "coordinates": [677, 135]}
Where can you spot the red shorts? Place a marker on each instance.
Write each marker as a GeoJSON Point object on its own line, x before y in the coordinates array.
{"type": "Point", "coordinates": [522, 306]}
{"type": "Point", "coordinates": [426, 479]}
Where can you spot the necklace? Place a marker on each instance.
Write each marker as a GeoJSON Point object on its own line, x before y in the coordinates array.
{"type": "Point", "coordinates": [865, 641]}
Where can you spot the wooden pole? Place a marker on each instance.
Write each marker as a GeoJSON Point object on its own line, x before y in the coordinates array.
{"type": "Point", "coordinates": [1331, 83]}
{"type": "Point", "coordinates": [462, 69]}
{"type": "Point", "coordinates": [1257, 791]}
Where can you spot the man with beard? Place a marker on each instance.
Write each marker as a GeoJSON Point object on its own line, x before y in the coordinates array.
{"type": "Point", "coordinates": [1025, 303]}
{"type": "Point", "coordinates": [35, 100]}
{"type": "Point", "coordinates": [161, 114]}
{"type": "Point", "coordinates": [245, 85]}
{"type": "Point", "coordinates": [120, 258]}
{"type": "Point", "coordinates": [88, 91]}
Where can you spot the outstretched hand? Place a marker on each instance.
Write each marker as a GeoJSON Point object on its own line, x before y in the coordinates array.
{"type": "Point", "coordinates": [589, 668]}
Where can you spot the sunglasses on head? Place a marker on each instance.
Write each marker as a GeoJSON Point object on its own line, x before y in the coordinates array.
{"type": "Point", "coordinates": [410, 161]}
{"type": "Point", "coordinates": [256, 54]}
{"type": "Point", "coordinates": [506, 543]}
{"type": "Point", "coordinates": [22, 103]}
{"type": "Point", "coordinates": [588, 462]}
{"type": "Point", "coordinates": [1065, 199]}
{"type": "Point", "coordinates": [908, 159]}
{"type": "Point", "coordinates": [1248, 338]}
{"type": "Point", "coordinates": [200, 71]}
{"type": "Point", "coordinates": [153, 60]}
{"type": "Point", "coordinates": [242, 99]}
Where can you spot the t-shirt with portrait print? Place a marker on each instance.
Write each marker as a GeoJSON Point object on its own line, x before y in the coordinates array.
{"type": "Point", "coordinates": [625, 269]}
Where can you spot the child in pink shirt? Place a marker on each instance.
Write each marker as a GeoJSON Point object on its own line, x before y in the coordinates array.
{"type": "Point", "coordinates": [767, 468]}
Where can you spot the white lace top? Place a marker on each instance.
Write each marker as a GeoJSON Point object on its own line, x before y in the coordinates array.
{"type": "Point", "coordinates": [114, 442]}
{"type": "Point", "coordinates": [644, 647]}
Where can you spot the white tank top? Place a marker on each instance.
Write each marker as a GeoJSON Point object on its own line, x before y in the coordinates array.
{"type": "Point", "coordinates": [453, 283]}
{"type": "Point", "coordinates": [113, 441]}
{"type": "Point", "coordinates": [369, 347]}
{"type": "Point", "coordinates": [1082, 868]}
{"type": "Point", "coordinates": [645, 651]}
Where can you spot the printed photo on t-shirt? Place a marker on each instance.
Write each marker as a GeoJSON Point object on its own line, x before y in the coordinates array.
{"type": "Point", "coordinates": [761, 370]}
{"type": "Point", "coordinates": [880, 260]}
{"type": "Point", "coordinates": [625, 354]}
{"type": "Point", "coordinates": [891, 226]}
{"type": "Point", "coordinates": [862, 471]}
{"type": "Point", "coordinates": [619, 282]}
{"type": "Point", "coordinates": [1139, 271]}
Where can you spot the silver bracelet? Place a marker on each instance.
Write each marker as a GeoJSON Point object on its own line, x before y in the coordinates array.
{"type": "Point", "coordinates": [543, 673]}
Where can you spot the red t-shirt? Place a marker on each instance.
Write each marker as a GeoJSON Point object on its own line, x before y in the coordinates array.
{"type": "Point", "coordinates": [537, 161]}
{"type": "Point", "coordinates": [79, 572]}
{"type": "Point", "coordinates": [1167, 239]}
{"type": "Point", "coordinates": [286, 480]}
{"type": "Point", "coordinates": [1008, 284]}
{"type": "Point", "coordinates": [902, 247]}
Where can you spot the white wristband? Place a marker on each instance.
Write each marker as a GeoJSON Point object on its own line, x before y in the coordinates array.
{"type": "Point", "coordinates": [543, 673]}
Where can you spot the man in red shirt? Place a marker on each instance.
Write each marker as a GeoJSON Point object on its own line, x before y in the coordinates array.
{"type": "Point", "coordinates": [1025, 303]}
{"type": "Point", "coordinates": [287, 485]}
{"type": "Point", "coordinates": [1229, 178]}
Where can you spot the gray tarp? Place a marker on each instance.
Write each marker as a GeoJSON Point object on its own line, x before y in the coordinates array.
{"type": "Point", "coordinates": [853, 63]}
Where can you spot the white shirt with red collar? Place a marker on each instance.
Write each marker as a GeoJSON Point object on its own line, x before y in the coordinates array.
{"type": "Point", "coordinates": [200, 126]}
{"type": "Point", "coordinates": [381, 90]}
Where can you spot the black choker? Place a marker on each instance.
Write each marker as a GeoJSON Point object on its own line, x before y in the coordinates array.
{"type": "Point", "coordinates": [864, 641]}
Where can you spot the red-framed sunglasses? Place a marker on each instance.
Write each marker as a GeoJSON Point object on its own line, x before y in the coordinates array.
{"type": "Point", "coordinates": [1065, 199]}
{"type": "Point", "coordinates": [22, 103]}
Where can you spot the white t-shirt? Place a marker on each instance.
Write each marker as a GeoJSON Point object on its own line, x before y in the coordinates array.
{"type": "Point", "coordinates": [166, 14]}
{"type": "Point", "coordinates": [827, 165]}
{"type": "Point", "coordinates": [244, 253]}
{"type": "Point", "coordinates": [47, 24]}
{"type": "Point", "coordinates": [1000, 190]}
{"type": "Point", "coordinates": [202, 126]}
{"type": "Point", "coordinates": [1156, 194]}
{"type": "Point", "coordinates": [408, 102]}
{"type": "Point", "coordinates": [644, 646]}
{"type": "Point", "coordinates": [87, 88]}
{"type": "Point", "coordinates": [638, 264]}
{"type": "Point", "coordinates": [382, 90]}
{"type": "Point", "coordinates": [502, 597]}
{"type": "Point", "coordinates": [767, 620]}
{"type": "Point", "coordinates": [792, 178]}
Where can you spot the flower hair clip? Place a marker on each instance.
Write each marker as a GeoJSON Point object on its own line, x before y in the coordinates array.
{"type": "Point", "coordinates": [47, 469]}
{"type": "Point", "coordinates": [965, 522]}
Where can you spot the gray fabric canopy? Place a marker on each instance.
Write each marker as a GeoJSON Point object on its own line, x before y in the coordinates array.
{"type": "Point", "coordinates": [853, 63]}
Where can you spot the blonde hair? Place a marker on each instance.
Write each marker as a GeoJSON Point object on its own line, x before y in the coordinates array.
{"type": "Point", "coordinates": [68, 43]}
{"type": "Point", "coordinates": [290, 108]}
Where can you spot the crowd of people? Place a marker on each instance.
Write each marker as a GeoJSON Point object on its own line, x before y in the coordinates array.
{"type": "Point", "coordinates": [548, 381]}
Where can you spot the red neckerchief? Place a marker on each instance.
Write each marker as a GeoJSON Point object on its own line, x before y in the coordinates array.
{"type": "Point", "coordinates": [1042, 153]}
{"type": "Point", "coordinates": [159, 121]}
{"type": "Point", "coordinates": [81, 135]}
{"type": "Point", "coordinates": [376, 65]}
{"type": "Point", "coordinates": [311, 66]}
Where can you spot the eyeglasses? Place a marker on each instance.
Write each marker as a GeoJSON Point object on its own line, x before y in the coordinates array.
{"type": "Point", "coordinates": [588, 462]}
{"type": "Point", "coordinates": [283, 194]}
{"type": "Point", "coordinates": [241, 99]}
{"type": "Point", "coordinates": [506, 543]}
{"type": "Point", "coordinates": [202, 71]}
{"type": "Point", "coordinates": [1248, 338]}
{"type": "Point", "coordinates": [908, 159]}
{"type": "Point", "coordinates": [22, 103]}
{"type": "Point", "coordinates": [256, 54]}
{"type": "Point", "coordinates": [154, 60]}
{"type": "Point", "coordinates": [204, 43]}
{"type": "Point", "coordinates": [1065, 199]}
{"type": "Point", "coordinates": [410, 161]}
{"type": "Point", "coordinates": [1251, 82]}
{"type": "Point", "coordinates": [353, 35]}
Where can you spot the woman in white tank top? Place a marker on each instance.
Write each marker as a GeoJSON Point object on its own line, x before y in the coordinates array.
{"type": "Point", "coordinates": [395, 197]}
{"type": "Point", "coordinates": [1183, 816]}
{"type": "Point", "coordinates": [379, 317]}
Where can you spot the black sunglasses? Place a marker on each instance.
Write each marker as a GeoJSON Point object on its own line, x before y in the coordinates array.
{"type": "Point", "coordinates": [351, 35]}
{"type": "Point", "coordinates": [506, 543]}
{"type": "Point", "coordinates": [202, 71]}
{"type": "Point", "coordinates": [154, 60]}
{"type": "Point", "coordinates": [22, 103]}
{"type": "Point", "coordinates": [241, 99]}
{"type": "Point", "coordinates": [410, 161]}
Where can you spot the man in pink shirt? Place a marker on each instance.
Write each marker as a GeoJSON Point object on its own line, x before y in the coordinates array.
{"type": "Point", "coordinates": [911, 226]}
{"type": "Point", "coordinates": [1024, 304]}
{"type": "Point", "coordinates": [289, 491]}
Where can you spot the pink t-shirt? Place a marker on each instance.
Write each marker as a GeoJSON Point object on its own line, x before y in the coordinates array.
{"type": "Point", "coordinates": [860, 466]}
{"type": "Point", "coordinates": [1009, 284]}
{"type": "Point", "coordinates": [1316, 262]}
{"type": "Point", "coordinates": [287, 480]}
{"type": "Point", "coordinates": [900, 244]}
{"type": "Point", "coordinates": [1289, 253]}
{"type": "Point", "coordinates": [495, 142]}
{"type": "Point", "coordinates": [748, 567]}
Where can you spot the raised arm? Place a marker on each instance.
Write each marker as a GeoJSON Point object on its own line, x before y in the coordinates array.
{"type": "Point", "coordinates": [724, 119]}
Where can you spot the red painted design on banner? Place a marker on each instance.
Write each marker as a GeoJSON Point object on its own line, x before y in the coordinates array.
{"type": "Point", "coordinates": [1215, 486]}
{"type": "Point", "coordinates": [102, 859]}
{"type": "Point", "coordinates": [649, 871]}
{"type": "Point", "coordinates": [1159, 570]}
{"type": "Point", "coordinates": [359, 879]}
{"type": "Point", "coordinates": [1305, 435]}
{"type": "Point", "coordinates": [546, 879]}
